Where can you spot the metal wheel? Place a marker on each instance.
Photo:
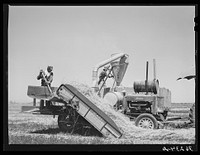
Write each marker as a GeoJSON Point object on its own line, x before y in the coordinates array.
{"type": "Point", "coordinates": [66, 121]}
{"type": "Point", "coordinates": [76, 124]}
{"type": "Point", "coordinates": [146, 121]}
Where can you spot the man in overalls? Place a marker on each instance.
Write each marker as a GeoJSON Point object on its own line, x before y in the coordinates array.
{"type": "Point", "coordinates": [102, 75]}
{"type": "Point", "coordinates": [46, 80]}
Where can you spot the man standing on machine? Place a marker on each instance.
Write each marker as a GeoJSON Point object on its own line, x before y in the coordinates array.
{"type": "Point", "coordinates": [103, 74]}
{"type": "Point", "coordinates": [46, 80]}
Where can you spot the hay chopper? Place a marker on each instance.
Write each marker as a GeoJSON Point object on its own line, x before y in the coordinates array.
{"type": "Point", "coordinates": [148, 104]}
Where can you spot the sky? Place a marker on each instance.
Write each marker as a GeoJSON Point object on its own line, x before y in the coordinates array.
{"type": "Point", "coordinates": [73, 39]}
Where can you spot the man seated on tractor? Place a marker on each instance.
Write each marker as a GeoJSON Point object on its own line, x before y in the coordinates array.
{"type": "Point", "coordinates": [46, 80]}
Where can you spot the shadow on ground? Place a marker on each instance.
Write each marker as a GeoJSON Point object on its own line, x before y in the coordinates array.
{"type": "Point", "coordinates": [57, 130]}
{"type": "Point", "coordinates": [47, 131]}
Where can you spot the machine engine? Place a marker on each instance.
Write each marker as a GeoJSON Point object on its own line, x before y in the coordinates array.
{"type": "Point", "coordinates": [139, 107]}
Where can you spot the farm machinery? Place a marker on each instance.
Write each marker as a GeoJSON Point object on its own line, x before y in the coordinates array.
{"type": "Point", "coordinates": [76, 113]}
{"type": "Point", "coordinates": [148, 105]}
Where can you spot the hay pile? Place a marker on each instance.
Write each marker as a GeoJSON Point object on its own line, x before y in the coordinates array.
{"type": "Point", "coordinates": [127, 127]}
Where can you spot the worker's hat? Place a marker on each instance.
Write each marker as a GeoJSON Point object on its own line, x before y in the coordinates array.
{"type": "Point", "coordinates": [50, 67]}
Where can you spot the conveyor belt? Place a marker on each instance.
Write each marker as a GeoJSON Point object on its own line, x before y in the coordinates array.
{"type": "Point", "coordinates": [89, 111]}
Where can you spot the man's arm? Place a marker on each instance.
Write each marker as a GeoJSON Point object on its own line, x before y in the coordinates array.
{"type": "Point", "coordinates": [40, 75]}
{"type": "Point", "coordinates": [49, 79]}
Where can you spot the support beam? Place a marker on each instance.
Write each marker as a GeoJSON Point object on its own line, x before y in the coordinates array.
{"type": "Point", "coordinates": [34, 101]}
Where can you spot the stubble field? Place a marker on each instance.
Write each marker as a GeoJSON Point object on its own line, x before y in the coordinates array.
{"type": "Point", "coordinates": [26, 128]}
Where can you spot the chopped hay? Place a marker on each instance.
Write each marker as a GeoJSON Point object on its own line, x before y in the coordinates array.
{"type": "Point", "coordinates": [127, 127]}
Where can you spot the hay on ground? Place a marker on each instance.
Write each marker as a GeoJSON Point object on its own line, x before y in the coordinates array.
{"type": "Point", "coordinates": [127, 127]}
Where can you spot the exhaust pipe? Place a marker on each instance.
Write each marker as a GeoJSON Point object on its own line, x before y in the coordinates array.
{"type": "Point", "coordinates": [146, 81]}
{"type": "Point", "coordinates": [147, 85]}
{"type": "Point", "coordinates": [154, 69]}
